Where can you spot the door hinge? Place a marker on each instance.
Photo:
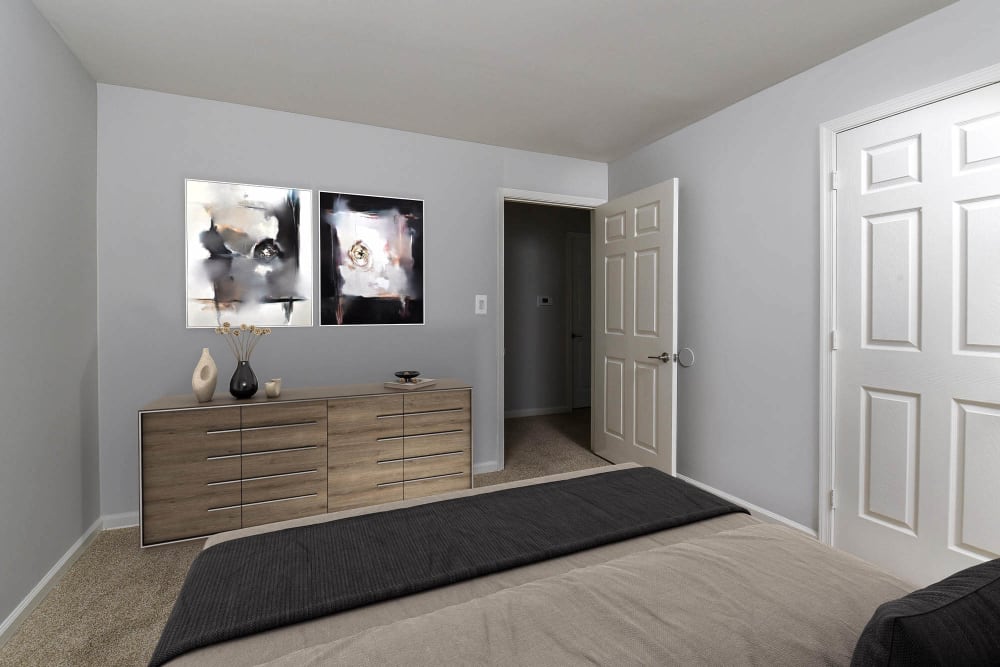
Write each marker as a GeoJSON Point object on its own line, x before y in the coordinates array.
{"type": "Point", "coordinates": [834, 180]}
{"type": "Point", "coordinates": [833, 499]}
{"type": "Point", "coordinates": [834, 340]}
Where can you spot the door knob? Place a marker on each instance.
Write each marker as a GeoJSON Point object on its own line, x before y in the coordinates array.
{"type": "Point", "coordinates": [576, 335]}
{"type": "Point", "coordinates": [663, 356]}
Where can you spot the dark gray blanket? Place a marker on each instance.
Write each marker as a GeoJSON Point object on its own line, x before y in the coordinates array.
{"type": "Point", "coordinates": [257, 583]}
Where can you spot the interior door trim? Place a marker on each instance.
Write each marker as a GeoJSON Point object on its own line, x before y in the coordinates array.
{"type": "Point", "coordinates": [828, 132]}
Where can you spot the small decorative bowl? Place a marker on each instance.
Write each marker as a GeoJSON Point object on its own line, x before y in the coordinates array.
{"type": "Point", "coordinates": [407, 376]}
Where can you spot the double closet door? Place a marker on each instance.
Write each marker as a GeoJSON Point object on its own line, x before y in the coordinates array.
{"type": "Point", "coordinates": [917, 458]}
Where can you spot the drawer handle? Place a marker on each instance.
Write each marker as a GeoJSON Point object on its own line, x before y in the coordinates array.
{"type": "Point", "coordinates": [420, 479]}
{"type": "Point", "coordinates": [396, 416]}
{"type": "Point", "coordinates": [222, 430]}
{"type": "Point", "coordinates": [421, 457]}
{"type": "Point", "coordinates": [420, 435]}
{"type": "Point", "coordinates": [254, 479]}
{"type": "Point", "coordinates": [278, 451]}
{"type": "Point", "coordinates": [279, 500]}
{"type": "Point", "coordinates": [267, 451]}
{"type": "Point", "coordinates": [227, 507]}
{"type": "Point", "coordinates": [222, 457]}
{"type": "Point", "coordinates": [228, 481]}
{"type": "Point", "coordinates": [260, 502]}
{"type": "Point", "coordinates": [269, 428]}
{"type": "Point", "coordinates": [434, 412]}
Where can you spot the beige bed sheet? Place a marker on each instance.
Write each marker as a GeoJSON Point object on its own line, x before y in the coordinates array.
{"type": "Point", "coordinates": [757, 595]}
{"type": "Point", "coordinates": [323, 634]}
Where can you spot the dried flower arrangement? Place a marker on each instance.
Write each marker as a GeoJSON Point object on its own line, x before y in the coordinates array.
{"type": "Point", "coordinates": [242, 339]}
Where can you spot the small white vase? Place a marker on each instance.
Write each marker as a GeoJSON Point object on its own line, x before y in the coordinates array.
{"type": "Point", "coordinates": [273, 388]}
{"type": "Point", "coordinates": [205, 376]}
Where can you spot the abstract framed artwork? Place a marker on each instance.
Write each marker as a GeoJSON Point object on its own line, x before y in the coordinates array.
{"type": "Point", "coordinates": [249, 254]}
{"type": "Point", "coordinates": [371, 259]}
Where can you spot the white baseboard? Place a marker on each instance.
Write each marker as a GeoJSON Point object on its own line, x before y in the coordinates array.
{"type": "Point", "coordinates": [759, 512]}
{"type": "Point", "coordinates": [485, 466]}
{"type": "Point", "coordinates": [51, 578]}
{"type": "Point", "coordinates": [123, 520]}
{"type": "Point", "coordinates": [536, 412]}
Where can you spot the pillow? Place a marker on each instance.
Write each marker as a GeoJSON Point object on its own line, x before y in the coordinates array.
{"type": "Point", "coordinates": [953, 622]}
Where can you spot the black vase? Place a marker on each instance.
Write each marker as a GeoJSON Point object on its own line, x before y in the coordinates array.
{"type": "Point", "coordinates": [244, 382]}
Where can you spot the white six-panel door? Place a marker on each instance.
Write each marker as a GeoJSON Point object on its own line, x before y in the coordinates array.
{"type": "Point", "coordinates": [917, 458]}
{"type": "Point", "coordinates": [635, 325]}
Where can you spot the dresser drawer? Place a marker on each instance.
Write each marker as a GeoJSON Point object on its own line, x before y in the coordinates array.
{"type": "Point", "coordinates": [439, 443]}
{"type": "Point", "coordinates": [190, 459]}
{"type": "Point", "coordinates": [284, 426]}
{"type": "Point", "coordinates": [354, 421]}
{"type": "Point", "coordinates": [287, 485]}
{"type": "Point", "coordinates": [436, 465]}
{"type": "Point", "coordinates": [434, 486]}
{"type": "Point", "coordinates": [280, 510]}
{"type": "Point", "coordinates": [282, 461]}
{"type": "Point", "coordinates": [191, 433]}
{"type": "Point", "coordinates": [365, 474]}
{"type": "Point", "coordinates": [430, 401]}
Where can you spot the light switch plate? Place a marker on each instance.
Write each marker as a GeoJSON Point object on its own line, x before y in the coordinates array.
{"type": "Point", "coordinates": [544, 301]}
{"type": "Point", "coordinates": [480, 304]}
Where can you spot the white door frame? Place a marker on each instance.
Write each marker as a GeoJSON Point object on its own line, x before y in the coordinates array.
{"type": "Point", "coordinates": [532, 197]}
{"type": "Point", "coordinates": [828, 259]}
{"type": "Point", "coordinates": [568, 296]}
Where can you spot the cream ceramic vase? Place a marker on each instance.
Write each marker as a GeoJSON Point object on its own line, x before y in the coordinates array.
{"type": "Point", "coordinates": [205, 376]}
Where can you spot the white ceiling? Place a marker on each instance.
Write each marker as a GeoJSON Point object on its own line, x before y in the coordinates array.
{"type": "Point", "coordinates": [593, 79]}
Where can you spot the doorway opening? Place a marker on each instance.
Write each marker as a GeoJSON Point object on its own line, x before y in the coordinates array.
{"type": "Point", "coordinates": [546, 318]}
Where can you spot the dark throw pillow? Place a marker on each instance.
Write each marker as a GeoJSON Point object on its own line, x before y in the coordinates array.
{"type": "Point", "coordinates": [953, 622]}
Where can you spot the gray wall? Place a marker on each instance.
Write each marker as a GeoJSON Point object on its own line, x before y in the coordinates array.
{"type": "Point", "coordinates": [748, 416]}
{"type": "Point", "coordinates": [535, 339]}
{"type": "Point", "coordinates": [150, 142]}
{"type": "Point", "coordinates": [48, 408]}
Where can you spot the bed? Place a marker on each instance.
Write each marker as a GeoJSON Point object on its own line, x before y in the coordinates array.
{"type": "Point", "coordinates": [723, 590]}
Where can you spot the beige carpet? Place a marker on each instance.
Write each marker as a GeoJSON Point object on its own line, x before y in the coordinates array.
{"type": "Point", "coordinates": [110, 607]}
{"type": "Point", "coordinates": [112, 604]}
{"type": "Point", "coordinates": [538, 446]}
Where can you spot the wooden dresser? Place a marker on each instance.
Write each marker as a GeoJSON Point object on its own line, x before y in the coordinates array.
{"type": "Point", "coordinates": [226, 464]}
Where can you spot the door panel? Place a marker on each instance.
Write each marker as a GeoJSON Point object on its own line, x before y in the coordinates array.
{"type": "Point", "coordinates": [635, 297]}
{"type": "Point", "coordinates": [918, 312]}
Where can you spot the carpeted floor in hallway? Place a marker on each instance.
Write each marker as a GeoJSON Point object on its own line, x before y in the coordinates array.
{"type": "Point", "coordinates": [110, 607]}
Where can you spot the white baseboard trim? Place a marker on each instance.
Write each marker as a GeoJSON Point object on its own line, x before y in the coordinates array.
{"type": "Point", "coordinates": [755, 510]}
{"type": "Point", "coordinates": [123, 520]}
{"type": "Point", "coordinates": [485, 466]}
{"type": "Point", "coordinates": [51, 578]}
{"type": "Point", "coordinates": [536, 412]}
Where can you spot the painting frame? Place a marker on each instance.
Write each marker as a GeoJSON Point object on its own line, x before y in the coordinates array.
{"type": "Point", "coordinates": [258, 255]}
{"type": "Point", "coordinates": [335, 300]}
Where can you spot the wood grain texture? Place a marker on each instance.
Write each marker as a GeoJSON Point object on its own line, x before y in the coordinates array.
{"type": "Point", "coordinates": [255, 515]}
{"type": "Point", "coordinates": [286, 486]}
{"type": "Point", "coordinates": [437, 444]}
{"type": "Point", "coordinates": [354, 437]}
{"type": "Point", "coordinates": [272, 427]}
{"type": "Point", "coordinates": [176, 471]}
{"type": "Point", "coordinates": [437, 465]}
{"type": "Point", "coordinates": [292, 394]}
{"type": "Point", "coordinates": [363, 420]}
{"type": "Point", "coordinates": [355, 473]}
{"type": "Point", "coordinates": [432, 487]}
{"type": "Point", "coordinates": [259, 465]}
{"type": "Point", "coordinates": [427, 401]}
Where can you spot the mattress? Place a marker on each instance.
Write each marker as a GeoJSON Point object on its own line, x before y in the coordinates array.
{"type": "Point", "coordinates": [778, 596]}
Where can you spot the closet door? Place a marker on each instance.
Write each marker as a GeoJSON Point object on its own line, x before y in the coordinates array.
{"type": "Point", "coordinates": [918, 316]}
